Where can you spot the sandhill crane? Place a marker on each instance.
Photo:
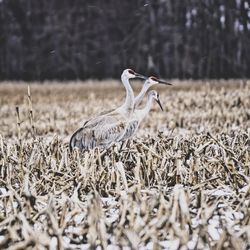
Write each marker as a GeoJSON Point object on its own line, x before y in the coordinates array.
{"type": "Point", "coordinates": [140, 114]}
{"type": "Point", "coordinates": [103, 130]}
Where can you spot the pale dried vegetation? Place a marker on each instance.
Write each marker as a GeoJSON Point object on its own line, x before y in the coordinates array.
{"type": "Point", "coordinates": [182, 183]}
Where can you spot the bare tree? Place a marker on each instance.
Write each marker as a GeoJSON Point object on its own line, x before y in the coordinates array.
{"type": "Point", "coordinates": [78, 40]}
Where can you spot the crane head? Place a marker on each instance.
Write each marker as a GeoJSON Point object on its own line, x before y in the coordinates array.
{"type": "Point", "coordinates": [129, 73]}
{"type": "Point", "coordinates": [152, 80]}
{"type": "Point", "coordinates": [153, 94]}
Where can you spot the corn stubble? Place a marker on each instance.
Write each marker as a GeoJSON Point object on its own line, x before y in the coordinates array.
{"type": "Point", "coordinates": [182, 183]}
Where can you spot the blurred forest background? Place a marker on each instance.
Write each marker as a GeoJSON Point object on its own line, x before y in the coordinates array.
{"type": "Point", "coordinates": [75, 39]}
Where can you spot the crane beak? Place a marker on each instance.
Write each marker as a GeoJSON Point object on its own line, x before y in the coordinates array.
{"type": "Point", "coordinates": [159, 81]}
{"type": "Point", "coordinates": [140, 76]}
{"type": "Point", "coordinates": [163, 82]}
{"type": "Point", "coordinates": [159, 103]}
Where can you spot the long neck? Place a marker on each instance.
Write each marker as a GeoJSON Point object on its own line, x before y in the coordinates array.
{"type": "Point", "coordinates": [140, 96]}
{"type": "Point", "coordinates": [141, 113]}
{"type": "Point", "coordinates": [128, 105]}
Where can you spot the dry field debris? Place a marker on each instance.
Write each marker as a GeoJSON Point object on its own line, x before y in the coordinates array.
{"type": "Point", "coordinates": [182, 183]}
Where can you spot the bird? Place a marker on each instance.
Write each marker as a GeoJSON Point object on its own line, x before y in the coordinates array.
{"type": "Point", "coordinates": [106, 128]}
{"type": "Point", "coordinates": [140, 114]}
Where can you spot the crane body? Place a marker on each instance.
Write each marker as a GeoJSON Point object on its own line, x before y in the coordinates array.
{"type": "Point", "coordinates": [106, 128]}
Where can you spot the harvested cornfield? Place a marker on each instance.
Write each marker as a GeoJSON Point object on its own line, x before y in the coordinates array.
{"type": "Point", "coordinates": [182, 183]}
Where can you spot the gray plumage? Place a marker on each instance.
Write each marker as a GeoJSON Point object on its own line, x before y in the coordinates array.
{"type": "Point", "coordinates": [108, 127]}
{"type": "Point", "coordinates": [99, 132]}
{"type": "Point", "coordinates": [119, 124]}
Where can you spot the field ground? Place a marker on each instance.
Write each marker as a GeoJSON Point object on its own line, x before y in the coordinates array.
{"type": "Point", "coordinates": [182, 183]}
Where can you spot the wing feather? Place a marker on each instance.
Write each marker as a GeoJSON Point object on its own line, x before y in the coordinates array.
{"type": "Point", "coordinates": [101, 131]}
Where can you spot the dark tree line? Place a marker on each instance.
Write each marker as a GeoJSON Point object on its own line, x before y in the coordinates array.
{"type": "Point", "coordinates": [69, 39]}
